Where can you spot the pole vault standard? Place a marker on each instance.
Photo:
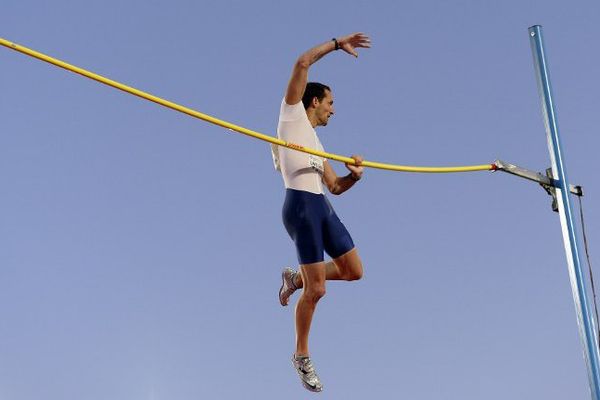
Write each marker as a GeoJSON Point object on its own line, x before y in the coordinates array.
{"type": "Point", "coordinates": [587, 329]}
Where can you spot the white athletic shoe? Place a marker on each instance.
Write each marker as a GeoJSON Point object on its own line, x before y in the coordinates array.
{"type": "Point", "coordinates": [306, 371]}
{"type": "Point", "coordinates": [287, 285]}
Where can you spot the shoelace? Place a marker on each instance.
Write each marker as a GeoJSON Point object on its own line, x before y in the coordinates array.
{"type": "Point", "coordinates": [307, 367]}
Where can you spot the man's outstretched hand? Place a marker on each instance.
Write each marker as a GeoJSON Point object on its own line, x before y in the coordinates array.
{"type": "Point", "coordinates": [351, 42]}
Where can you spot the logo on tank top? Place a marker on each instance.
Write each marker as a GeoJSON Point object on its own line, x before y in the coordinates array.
{"type": "Point", "coordinates": [316, 163]}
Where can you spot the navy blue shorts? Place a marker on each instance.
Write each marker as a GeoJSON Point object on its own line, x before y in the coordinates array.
{"type": "Point", "coordinates": [313, 225]}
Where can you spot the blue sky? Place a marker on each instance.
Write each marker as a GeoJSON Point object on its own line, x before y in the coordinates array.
{"type": "Point", "coordinates": [141, 248]}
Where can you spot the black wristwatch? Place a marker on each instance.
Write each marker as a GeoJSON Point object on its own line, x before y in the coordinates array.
{"type": "Point", "coordinates": [337, 45]}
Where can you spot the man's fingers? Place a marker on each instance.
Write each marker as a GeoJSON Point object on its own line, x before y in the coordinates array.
{"type": "Point", "coordinates": [362, 40]}
{"type": "Point", "coordinates": [357, 159]}
{"type": "Point", "coordinates": [358, 39]}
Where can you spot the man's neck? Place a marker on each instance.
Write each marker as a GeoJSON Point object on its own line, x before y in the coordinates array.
{"type": "Point", "coordinates": [312, 118]}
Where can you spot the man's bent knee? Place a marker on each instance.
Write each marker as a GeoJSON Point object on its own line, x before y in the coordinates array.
{"type": "Point", "coordinates": [353, 271]}
{"type": "Point", "coordinates": [354, 275]}
{"type": "Point", "coordinates": [350, 266]}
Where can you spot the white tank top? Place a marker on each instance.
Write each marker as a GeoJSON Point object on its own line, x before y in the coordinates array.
{"type": "Point", "coordinates": [301, 171]}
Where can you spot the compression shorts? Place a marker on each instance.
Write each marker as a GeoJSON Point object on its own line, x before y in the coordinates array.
{"type": "Point", "coordinates": [314, 226]}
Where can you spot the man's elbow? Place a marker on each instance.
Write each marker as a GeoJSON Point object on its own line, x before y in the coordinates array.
{"type": "Point", "coordinates": [303, 62]}
{"type": "Point", "coordinates": [335, 190]}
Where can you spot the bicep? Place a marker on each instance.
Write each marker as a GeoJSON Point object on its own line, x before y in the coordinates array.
{"type": "Point", "coordinates": [297, 83]}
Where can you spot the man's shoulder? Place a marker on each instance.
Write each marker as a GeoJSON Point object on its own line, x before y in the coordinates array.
{"type": "Point", "coordinates": [291, 112]}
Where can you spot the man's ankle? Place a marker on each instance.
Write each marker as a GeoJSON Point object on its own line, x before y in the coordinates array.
{"type": "Point", "coordinates": [296, 280]}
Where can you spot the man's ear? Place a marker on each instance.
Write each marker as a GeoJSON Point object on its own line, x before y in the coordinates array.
{"type": "Point", "coordinates": [315, 101]}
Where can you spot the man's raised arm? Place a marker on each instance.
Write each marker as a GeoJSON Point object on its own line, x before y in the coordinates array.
{"type": "Point", "coordinates": [297, 84]}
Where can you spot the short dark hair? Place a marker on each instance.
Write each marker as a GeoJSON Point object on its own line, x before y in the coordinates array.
{"type": "Point", "coordinates": [313, 89]}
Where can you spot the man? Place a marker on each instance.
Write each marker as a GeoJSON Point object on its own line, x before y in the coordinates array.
{"type": "Point", "coordinates": [307, 215]}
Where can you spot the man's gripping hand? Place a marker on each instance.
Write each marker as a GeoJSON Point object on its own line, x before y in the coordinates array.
{"type": "Point", "coordinates": [356, 170]}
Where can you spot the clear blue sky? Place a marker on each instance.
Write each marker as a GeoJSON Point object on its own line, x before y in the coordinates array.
{"type": "Point", "coordinates": [140, 249]}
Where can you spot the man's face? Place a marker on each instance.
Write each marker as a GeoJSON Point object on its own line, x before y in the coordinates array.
{"type": "Point", "coordinates": [324, 109]}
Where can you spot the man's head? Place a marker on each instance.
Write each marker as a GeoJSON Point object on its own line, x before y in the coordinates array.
{"type": "Point", "coordinates": [318, 103]}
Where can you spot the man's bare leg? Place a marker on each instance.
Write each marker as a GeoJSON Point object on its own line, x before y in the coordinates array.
{"type": "Point", "coordinates": [313, 277]}
{"type": "Point", "coordinates": [347, 267]}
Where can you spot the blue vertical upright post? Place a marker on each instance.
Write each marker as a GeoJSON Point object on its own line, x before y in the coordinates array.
{"type": "Point", "coordinates": [587, 329]}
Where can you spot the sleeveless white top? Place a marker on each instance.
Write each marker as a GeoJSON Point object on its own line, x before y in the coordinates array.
{"type": "Point", "coordinates": [301, 171]}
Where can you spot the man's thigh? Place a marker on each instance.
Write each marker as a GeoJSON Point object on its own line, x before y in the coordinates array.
{"type": "Point", "coordinates": [349, 263]}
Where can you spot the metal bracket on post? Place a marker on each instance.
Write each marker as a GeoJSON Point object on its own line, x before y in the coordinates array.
{"type": "Point", "coordinates": [546, 181]}
{"type": "Point", "coordinates": [551, 190]}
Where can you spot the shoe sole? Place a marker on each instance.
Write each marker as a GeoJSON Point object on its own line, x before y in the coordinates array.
{"type": "Point", "coordinates": [312, 389]}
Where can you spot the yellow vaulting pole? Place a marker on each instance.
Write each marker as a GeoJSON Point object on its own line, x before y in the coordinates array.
{"type": "Point", "coordinates": [228, 125]}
